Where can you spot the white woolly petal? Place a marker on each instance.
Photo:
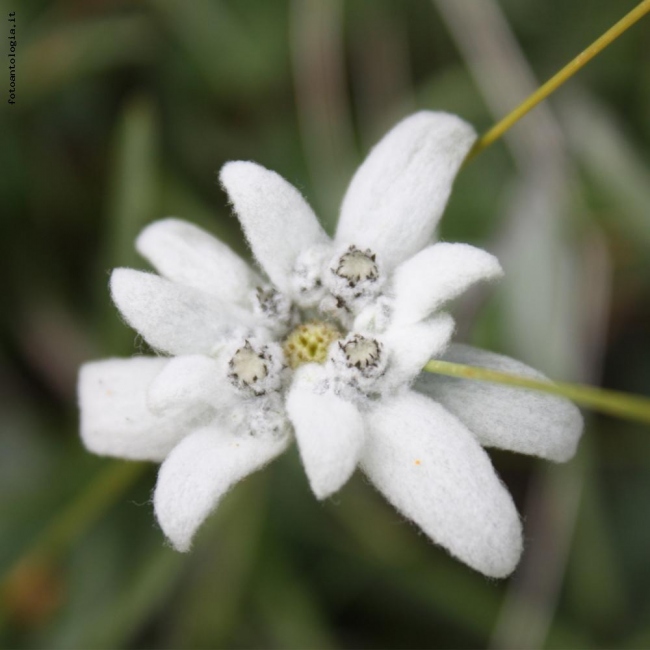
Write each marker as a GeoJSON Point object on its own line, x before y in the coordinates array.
{"type": "Point", "coordinates": [375, 317]}
{"type": "Point", "coordinates": [184, 253]}
{"type": "Point", "coordinates": [199, 472]}
{"type": "Point", "coordinates": [410, 347]}
{"type": "Point", "coordinates": [520, 420]}
{"type": "Point", "coordinates": [399, 193]}
{"type": "Point", "coordinates": [436, 275]}
{"type": "Point", "coordinates": [277, 221]}
{"type": "Point", "coordinates": [430, 467]}
{"type": "Point", "coordinates": [329, 432]}
{"type": "Point", "coordinates": [173, 318]}
{"type": "Point", "coordinates": [115, 418]}
{"type": "Point", "coordinates": [191, 381]}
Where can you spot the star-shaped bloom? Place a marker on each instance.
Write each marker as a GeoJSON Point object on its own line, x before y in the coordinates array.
{"type": "Point", "coordinates": [327, 347]}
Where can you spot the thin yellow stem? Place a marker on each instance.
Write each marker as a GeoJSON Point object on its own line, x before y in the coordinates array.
{"type": "Point", "coordinates": [631, 407]}
{"type": "Point", "coordinates": [559, 78]}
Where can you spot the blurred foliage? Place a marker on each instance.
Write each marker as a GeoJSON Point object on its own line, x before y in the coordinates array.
{"type": "Point", "coordinates": [125, 111]}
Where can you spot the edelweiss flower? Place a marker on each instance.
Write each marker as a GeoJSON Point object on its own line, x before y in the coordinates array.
{"type": "Point", "coordinates": [329, 350]}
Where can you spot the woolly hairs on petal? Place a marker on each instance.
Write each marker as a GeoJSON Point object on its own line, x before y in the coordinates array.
{"type": "Point", "coordinates": [115, 416]}
{"type": "Point", "coordinates": [184, 253]}
{"type": "Point", "coordinates": [430, 467]}
{"type": "Point", "coordinates": [525, 421]}
{"type": "Point", "coordinates": [277, 221]}
{"type": "Point", "coordinates": [399, 193]}
{"type": "Point", "coordinates": [329, 432]}
{"type": "Point", "coordinates": [198, 473]}
{"type": "Point", "coordinates": [173, 318]}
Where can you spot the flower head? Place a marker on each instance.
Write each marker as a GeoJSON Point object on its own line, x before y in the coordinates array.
{"type": "Point", "coordinates": [326, 347]}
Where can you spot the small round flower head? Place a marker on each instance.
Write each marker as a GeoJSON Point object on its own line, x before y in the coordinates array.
{"type": "Point", "coordinates": [358, 362]}
{"type": "Point", "coordinates": [362, 353]}
{"type": "Point", "coordinates": [353, 279]}
{"type": "Point", "coordinates": [255, 368]}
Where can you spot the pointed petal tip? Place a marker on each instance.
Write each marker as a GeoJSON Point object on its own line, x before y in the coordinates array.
{"type": "Point", "coordinates": [182, 543]}
{"type": "Point", "coordinates": [235, 170]}
{"type": "Point", "coordinates": [127, 288]}
{"type": "Point", "coordinates": [170, 220]}
{"type": "Point", "coordinates": [120, 281]}
{"type": "Point", "coordinates": [441, 120]}
{"type": "Point", "coordinates": [323, 487]}
{"type": "Point", "coordinates": [150, 231]}
{"type": "Point", "coordinates": [117, 273]}
{"type": "Point", "coordinates": [325, 484]}
{"type": "Point", "coordinates": [178, 543]}
{"type": "Point", "coordinates": [505, 558]}
{"type": "Point", "coordinates": [324, 490]}
{"type": "Point", "coordinates": [120, 285]}
{"type": "Point", "coordinates": [574, 428]}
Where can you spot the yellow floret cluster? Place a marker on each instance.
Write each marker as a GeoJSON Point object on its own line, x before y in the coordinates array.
{"type": "Point", "coordinates": [309, 342]}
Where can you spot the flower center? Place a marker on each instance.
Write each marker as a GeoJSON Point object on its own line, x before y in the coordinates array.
{"type": "Point", "coordinates": [309, 342]}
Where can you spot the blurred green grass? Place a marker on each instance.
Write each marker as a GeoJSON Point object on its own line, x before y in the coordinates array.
{"type": "Point", "coordinates": [125, 112]}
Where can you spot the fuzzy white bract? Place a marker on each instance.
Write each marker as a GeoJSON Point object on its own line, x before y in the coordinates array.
{"type": "Point", "coordinates": [326, 347]}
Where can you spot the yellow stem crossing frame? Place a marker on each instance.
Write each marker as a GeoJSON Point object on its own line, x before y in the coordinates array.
{"type": "Point", "coordinates": [623, 405]}
{"type": "Point", "coordinates": [559, 78]}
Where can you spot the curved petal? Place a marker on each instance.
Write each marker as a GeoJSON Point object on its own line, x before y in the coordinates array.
{"type": "Point", "coordinates": [172, 317]}
{"type": "Point", "coordinates": [198, 473]}
{"type": "Point", "coordinates": [529, 422]}
{"type": "Point", "coordinates": [329, 432]}
{"type": "Point", "coordinates": [437, 274]}
{"type": "Point", "coordinates": [277, 221]}
{"type": "Point", "coordinates": [190, 381]}
{"type": "Point", "coordinates": [411, 346]}
{"type": "Point", "coordinates": [430, 467]}
{"type": "Point", "coordinates": [115, 419]}
{"type": "Point", "coordinates": [399, 193]}
{"type": "Point", "coordinates": [184, 253]}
